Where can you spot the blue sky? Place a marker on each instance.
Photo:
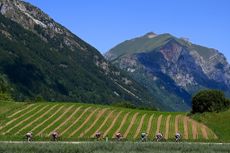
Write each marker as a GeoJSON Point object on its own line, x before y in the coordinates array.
{"type": "Point", "coordinates": [105, 23]}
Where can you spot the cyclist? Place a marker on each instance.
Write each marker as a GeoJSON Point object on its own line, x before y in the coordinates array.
{"type": "Point", "coordinates": [177, 136]}
{"type": "Point", "coordinates": [54, 136]}
{"type": "Point", "coordinates": [159, 136]}
{"type": "Point", "coordinates": [143, 136]}
{"type": "Point", "coordinates": [118, 136]}
{"type": "Point", "coordinates": [29, 136]}
{"type": "Point", "coordinates": [98, 135]}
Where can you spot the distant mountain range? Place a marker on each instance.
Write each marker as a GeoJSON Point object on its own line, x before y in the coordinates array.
{"type": "Point", "coordinates": [173, 69]}
{"type": "Point", "coordinates": [41, 58]}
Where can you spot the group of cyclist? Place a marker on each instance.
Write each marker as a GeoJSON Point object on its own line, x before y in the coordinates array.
{"type": "Point", "coordinates": [54, 136]}
{"type": "Point", "coordinates": [159, 136]}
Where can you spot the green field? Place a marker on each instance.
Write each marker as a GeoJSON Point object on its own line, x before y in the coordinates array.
{"type": "Point", "coordinates": [218, 122]}
{"type": "Point", "coordinates": [114, 148]}
{"type": "Point", "coordinates": [76, 121]}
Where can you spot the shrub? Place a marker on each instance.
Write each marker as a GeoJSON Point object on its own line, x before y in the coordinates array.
{"type": "Point", "coordinates": [4, 89]}
{"type": "Point", "coordinates": [209, 101]}
{"type": "Point", "coordinates": [39, 99]}
{"type": "Point", "coordinates": [5, 97]}
{"type": "Point", "coordinates": [124, 104]}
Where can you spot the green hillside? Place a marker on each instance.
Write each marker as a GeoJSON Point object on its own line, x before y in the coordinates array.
{"type": "Point", "coordinates": [34, 68]}
{"type": "Point", "coordinates": [138, 45]}
{"type": "Point", "coordinates": [147, 43]}
{"type": "Point", "coordinates": [75, 121]}
{"type": "Point", "coordinates": [47, 61]}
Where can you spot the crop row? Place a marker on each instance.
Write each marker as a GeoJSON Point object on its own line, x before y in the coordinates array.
{"type": "Point", "coordinates": [75, 121]}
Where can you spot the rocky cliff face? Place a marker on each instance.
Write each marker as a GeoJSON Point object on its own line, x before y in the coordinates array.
{"type": "Point", "coordinates": [41, 58]}
{"type": "Point", "coordinates": [172, 69]}
{"type": "Point", "coordinates": [34, 19]}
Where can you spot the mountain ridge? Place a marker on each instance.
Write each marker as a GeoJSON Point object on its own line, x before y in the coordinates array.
{"type": "Point", "coordinates": [172, 69]}
{"type": "Point", "coordinates": [41, 58]}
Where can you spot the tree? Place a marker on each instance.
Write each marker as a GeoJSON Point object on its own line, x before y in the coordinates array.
{"type": "Point", "coordinates": [209, 101]}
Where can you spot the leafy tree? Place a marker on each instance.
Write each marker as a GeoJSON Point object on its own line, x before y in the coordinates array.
{"type": "Point", "coordinates": [209, 101]}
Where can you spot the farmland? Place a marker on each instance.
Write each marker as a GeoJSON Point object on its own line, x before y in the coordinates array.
{"type": "Point", "coordinates": [75, 122]}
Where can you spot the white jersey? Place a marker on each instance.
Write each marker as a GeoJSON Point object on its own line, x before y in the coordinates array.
{"type": "Point", "coordinates": [55, 133]}
{"type": "Point", "coordinates": [98, 133]}
{"type": "Point", "coordinates": [178, 134]}
{"type": "Point", "coordinates": [29, 134]}
{"type": "Point", "coordinates": [159, 134]}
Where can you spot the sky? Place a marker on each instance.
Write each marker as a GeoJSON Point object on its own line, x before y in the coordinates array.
{"type": "Point", "coordinates": [106, 23]}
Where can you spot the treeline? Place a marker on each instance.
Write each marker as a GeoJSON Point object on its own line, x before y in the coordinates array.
{"type": "Point", "coordinates": [127, 104]}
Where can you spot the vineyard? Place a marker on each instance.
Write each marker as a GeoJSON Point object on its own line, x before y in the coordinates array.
{"type": "Point", "coordinates": [81, 122]}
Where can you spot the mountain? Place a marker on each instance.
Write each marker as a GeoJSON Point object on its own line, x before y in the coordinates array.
{"type": "Point", "coordinates": [40, 58]}
{"type": "Point", "coordinates": [173, 69]}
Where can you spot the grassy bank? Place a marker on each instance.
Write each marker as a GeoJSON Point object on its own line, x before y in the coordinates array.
{"type": "Point", "coordinates": [114, 148]}
{"type": "Point", "coordinates": [218, 122]}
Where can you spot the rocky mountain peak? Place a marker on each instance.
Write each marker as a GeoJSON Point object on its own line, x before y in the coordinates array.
{"type": "Point", "coordinates": [171, 50]}
{"type": "Point", "coordinates": [172, 69]}
{"type": "Point", "coordinates": [29, 16]}
{"type": "Point", "coordinates": [150, 35]}
{"type": "Point", "coordinates": [32, 18]}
